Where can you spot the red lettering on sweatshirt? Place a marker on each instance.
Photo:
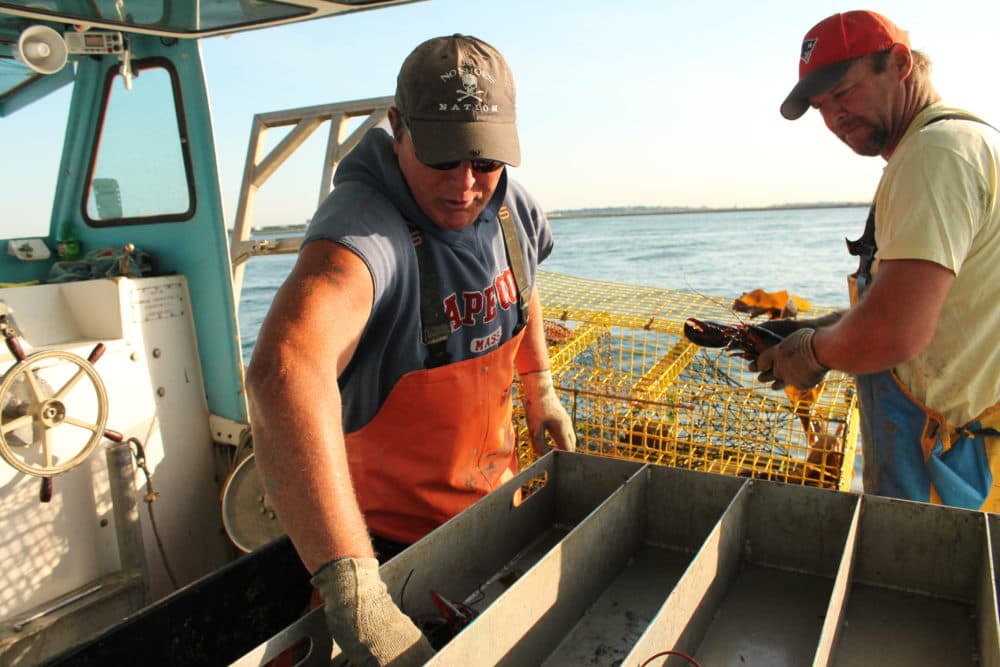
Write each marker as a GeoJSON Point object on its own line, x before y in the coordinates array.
{"type": "Point", "coordinates": [502, 294]}
{"type": "Point", "coordinates": [473, 306]}
{"type": "Point", "coordinates": [451, 312]}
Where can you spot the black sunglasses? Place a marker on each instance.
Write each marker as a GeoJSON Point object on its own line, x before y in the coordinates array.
{"type": "Point", "coordinates": [478, 166]}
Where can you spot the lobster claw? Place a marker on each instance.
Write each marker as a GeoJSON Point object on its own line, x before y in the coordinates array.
{"type": "Point", "coordinates": [709, 334]}
{"type": "Point", "coordinates": [744, 340]}
{"type": "Point", "coordinates": [455, 614]}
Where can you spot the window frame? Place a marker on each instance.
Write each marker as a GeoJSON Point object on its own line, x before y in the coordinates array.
{"type": "Point", "coordinates": [113, 72]}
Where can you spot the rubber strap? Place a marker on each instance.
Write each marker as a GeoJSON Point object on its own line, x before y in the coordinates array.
{"type": "Point", "coordinates": [434, 324]}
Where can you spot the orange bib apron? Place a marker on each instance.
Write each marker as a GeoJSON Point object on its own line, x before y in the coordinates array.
{"type": "Point", "coordinates": [442, 440]}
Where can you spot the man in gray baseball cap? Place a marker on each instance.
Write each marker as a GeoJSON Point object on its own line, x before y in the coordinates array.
{"type": "Point", "coordinates": [381, 381]}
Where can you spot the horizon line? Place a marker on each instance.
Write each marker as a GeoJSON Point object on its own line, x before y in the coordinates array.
{"type": "Point", "coordinates": [623, 211]}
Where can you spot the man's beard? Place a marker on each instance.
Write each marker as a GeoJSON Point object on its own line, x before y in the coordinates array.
{"type": "Point", "coordinates": [873, 143]}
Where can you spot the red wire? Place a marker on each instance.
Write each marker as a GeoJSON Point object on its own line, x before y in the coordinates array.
{"type": "Point", "coordinates": [677, 653]}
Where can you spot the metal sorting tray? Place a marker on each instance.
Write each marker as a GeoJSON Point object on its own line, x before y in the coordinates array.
{"type": "Point", "coordinates": [587, 560]}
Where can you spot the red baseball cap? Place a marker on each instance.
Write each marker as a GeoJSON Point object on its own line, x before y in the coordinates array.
{"type": "Point", "coordinates": [829, 48]}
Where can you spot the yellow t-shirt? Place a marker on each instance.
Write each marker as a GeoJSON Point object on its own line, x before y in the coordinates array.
{"type": "Point", "coordinates": [937, 201]}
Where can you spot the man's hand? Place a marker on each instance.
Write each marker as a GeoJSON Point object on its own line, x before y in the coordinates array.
{"type": "Point", "coordinates": [362, 618]}
{"type": "Point", "coordinates": [785, 327]}
{"type": "Point", "coordinates": [544, 412]}
{"type": "Point", "coordinates": [790, 362]}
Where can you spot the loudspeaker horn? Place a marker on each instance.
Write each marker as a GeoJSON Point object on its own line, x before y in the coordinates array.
{"type": "Point", "coordinates": [42, 49]}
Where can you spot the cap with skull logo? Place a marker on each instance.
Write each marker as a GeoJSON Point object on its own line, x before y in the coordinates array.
{"type": "Point", "coordinates": [456, 96]}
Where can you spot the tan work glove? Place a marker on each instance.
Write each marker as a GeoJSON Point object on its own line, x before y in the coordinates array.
{"type": "Point", "coordinates": [544, 412]}
{"type": "Point", "coordinates": [785, 327]}
{"type": "Point", "coordinates": [364, 621]}
{"type": "Point", "coordinates": [790, 362]}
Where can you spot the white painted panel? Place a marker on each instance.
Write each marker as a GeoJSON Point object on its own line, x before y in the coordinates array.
{"type": "Point", "coordinates": [155, 393]}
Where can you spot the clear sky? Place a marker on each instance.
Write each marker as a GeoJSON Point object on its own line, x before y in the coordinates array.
{"type": "Point", "coordinates": [634, 102]}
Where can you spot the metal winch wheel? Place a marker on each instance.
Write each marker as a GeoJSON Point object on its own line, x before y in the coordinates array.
{"type": "Point", "coordinates": [45, 411]}
{"type": "Point", "coordinates": [247, 515]}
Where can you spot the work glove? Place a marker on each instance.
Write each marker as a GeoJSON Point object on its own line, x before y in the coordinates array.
{"type": "Point", "coordinates": [790, 362]}
{"type": "Point", "coordinates": [785, 327]}
{"type": "Point", "coordinates": [544, 412]}
{"type": "Point", "coordinates": [364, 621]}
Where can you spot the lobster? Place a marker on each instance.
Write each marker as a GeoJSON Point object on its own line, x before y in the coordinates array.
{"type": "Point", "coordinates": [743, 340]}
{"type": "Point", "coordinates": [454, 616]}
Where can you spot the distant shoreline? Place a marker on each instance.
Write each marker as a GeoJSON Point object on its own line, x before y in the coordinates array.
{"type": "Point", "coordinates": [629, 211]}
{"type": "Point", "coordinates": [624, 211]}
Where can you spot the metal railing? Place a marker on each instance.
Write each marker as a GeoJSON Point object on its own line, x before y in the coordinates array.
{"type": "Point", "coordinates": [261, 165]}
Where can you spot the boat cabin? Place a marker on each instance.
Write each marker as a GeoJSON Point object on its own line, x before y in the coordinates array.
{"type": "Point", "coordinates": [123, 413]}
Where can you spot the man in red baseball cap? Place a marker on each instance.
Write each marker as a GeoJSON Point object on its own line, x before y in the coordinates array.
{"type": "Point", "coordinates": [829, 49]}
{"type": "Point", "coordinates": [921, 333]}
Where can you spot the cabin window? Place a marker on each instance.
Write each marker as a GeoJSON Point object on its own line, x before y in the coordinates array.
{"type": "Point", "coordinates": [141, 169]}
{"type": "Point", "coordinates": [33, 145]}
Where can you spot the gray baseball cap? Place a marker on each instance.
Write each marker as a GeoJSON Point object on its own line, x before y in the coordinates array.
{"type": "Point", "coordinates": [456, 95]}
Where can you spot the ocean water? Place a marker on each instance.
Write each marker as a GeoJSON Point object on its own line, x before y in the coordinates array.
{"type": "Point", "coordinates": [721, 254]}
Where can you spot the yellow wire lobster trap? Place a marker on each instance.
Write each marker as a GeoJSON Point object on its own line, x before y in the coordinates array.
{"type": "Point", "coordinates": [637, 389]}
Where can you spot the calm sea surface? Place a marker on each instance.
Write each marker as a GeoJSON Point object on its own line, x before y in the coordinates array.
{"type": "Point", "coordinates": [718, 254]}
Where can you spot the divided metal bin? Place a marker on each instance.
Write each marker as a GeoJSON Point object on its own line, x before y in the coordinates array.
{"type": "Point", "coordinates": [586, 560]}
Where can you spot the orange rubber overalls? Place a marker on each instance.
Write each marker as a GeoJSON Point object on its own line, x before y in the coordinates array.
{"type": "Point", "coordinates": [455, 423]}
{"type": "Point", "coordinates": [443, 438]}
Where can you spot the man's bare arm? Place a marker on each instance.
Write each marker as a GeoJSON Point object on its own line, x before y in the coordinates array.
{"type": "Point", "coordinates": [893, 323]}
{"type": "Point", "coordinates": [307, 339]}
